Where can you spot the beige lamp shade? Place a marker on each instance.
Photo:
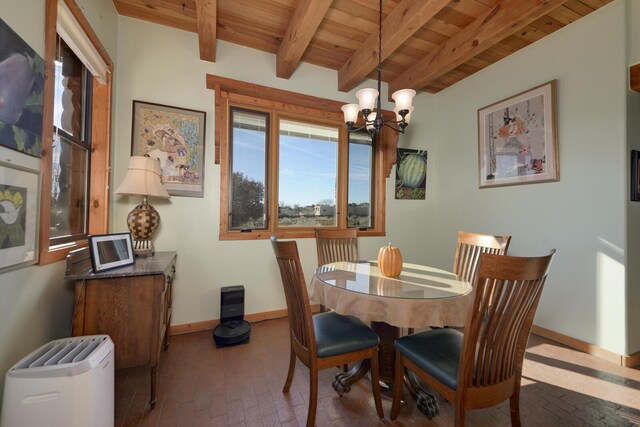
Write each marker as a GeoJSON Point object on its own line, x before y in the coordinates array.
{"type": "Point", "coordinates": [143, 178]}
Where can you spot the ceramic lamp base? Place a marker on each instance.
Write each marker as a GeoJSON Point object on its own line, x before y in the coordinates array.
{"type": "Point", "coordinates": [143, 221]}
{"type": "Point", "coordinates": [144, 252]}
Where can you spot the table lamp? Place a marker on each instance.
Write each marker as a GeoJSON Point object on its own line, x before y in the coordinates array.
{"type": "Point", "coordinates": [143, 179]}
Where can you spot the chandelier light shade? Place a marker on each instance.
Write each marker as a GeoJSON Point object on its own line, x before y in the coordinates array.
{"type": "Point", "coordinates": [370, 107]}
{"type": "Point", "coordinates": [404, 99]}
{"type": "Point", "coordinates": [350, 112]}
{"type": "Point", "coordinates": [143, 179]}
{"type": "Point", "coordinates": [367, 98]}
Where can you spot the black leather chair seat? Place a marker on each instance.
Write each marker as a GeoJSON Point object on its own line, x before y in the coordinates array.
{"type": "Point", "coordinates": [436, 352]}
{"type": "Point", "coordinates": [338, 334]}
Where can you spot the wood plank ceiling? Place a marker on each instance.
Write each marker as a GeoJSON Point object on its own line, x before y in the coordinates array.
{"type": "Point", "coordinates": [427, 45]}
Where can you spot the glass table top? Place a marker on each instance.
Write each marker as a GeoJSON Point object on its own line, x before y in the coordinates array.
{"type": "Point", "coordinates": [415, 281]}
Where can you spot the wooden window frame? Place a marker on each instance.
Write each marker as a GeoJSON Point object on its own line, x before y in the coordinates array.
{"type": "Point", "coordinates": [98, 185]}
{"type": "Point", "coordinates": [291, 105]}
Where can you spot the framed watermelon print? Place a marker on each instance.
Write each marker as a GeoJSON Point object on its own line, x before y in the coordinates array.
{"type": "Point", "coordinates": [517, 139]}
{"type": "Point", "coordinates": [411, 174]}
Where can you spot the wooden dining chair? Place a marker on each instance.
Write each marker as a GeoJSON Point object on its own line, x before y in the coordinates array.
{"type": "Point", "coordinates": [469, 248]}
{"type": "Point", "coordinates": [335, 245]}
{"type": "Point", "coordinates": [325, 340]}
{"type": "Point", "coordinates": [482, 366]}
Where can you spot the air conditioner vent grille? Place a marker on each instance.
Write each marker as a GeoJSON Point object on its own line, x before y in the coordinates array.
{"type": "Point", "coordinates": [61, 352]}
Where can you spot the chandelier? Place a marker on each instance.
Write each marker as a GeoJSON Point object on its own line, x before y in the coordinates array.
{"type": "Point", "coordinates": [369, 104]}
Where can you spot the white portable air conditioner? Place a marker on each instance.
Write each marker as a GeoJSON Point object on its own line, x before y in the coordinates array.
{"type": "Point", "coordinates": [68, 382]}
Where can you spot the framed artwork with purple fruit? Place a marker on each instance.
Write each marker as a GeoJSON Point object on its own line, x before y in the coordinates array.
{"type": "Point", "coordinates": [517, 139]}
{"type": "Point", "coordinates": [176, 137]}
{"type": "Point", "coordinates": [21, 89]}
{"type": "Point", "coordinates": [411, 174]}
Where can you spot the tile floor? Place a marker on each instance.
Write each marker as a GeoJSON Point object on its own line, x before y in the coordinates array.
{"type": "Point", "coordinates": [199, 385]}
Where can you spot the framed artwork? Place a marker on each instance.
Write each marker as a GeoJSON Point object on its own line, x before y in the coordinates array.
{"type": "Point", "coordinates": [635, 176]}
{"type": "Point", "coordinates": [411, 174]}
{"type": "Point", "coordinates": [19, 194]}
{"type": "Point", "coordinates": [517, 139]}
{"type": "Point", "coordinates": [21, 90]}
{"type": "Point", "coordinates": [176, 137]}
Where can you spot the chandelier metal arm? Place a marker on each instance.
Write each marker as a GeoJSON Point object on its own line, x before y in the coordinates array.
{"type": "Point", "coordinates": [401, 126]}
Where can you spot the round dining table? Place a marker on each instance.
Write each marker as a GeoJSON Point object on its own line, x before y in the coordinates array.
{"type": "Point", "coordinates": [420, 297]}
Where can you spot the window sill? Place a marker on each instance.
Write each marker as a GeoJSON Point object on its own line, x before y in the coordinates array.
{"type": "Point", "coordinates": [289, 234]}
{"type": "Point", "coordinates": [60, 252]}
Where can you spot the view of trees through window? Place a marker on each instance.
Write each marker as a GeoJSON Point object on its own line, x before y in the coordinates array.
{"type": "Point", "coordinates": [307, 175]}
{"type": "Point", "coordinates": [247, 208]}
{"type": "Point", "coordinates": [284, 174]}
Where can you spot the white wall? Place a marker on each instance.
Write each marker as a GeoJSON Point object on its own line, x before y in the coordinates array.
{"type": "Point", "coordinates": [582, 215]}
{"type": "Point", "coordinates": [633, 208]}
{"type": "Point", "coordinates": [161, 65]}
{"type": "Point", "coordinates": [35, 302]}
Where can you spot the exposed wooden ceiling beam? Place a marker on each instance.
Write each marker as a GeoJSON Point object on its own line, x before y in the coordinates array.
{"type": "Point", "coordinates": [206, 17]}
{"type": "Point", "coordinates": [403, 21]}
{"type": "Point", "coordinates": [502, 20]}
{"type": "Point", "coordinates": [303, 25]}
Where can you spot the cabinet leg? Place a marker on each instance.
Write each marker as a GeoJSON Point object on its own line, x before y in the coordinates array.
{"type": "Point", "coordinates": [154, 374]}
{"type": "Point", "coordinates": [165, 341]}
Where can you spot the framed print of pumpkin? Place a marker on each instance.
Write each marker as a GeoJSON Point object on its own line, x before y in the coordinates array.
{"type": "Point", "coordinates": [411, 174]}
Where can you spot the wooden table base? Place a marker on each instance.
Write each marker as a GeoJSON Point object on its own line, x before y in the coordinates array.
{"type": "Point", "coordinates": [343, 381]}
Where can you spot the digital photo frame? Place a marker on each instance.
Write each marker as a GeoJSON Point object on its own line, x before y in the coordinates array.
{"type": "Point", "coordinates": [111, 251]}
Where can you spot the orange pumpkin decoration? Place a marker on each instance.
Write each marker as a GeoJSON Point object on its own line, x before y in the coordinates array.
{"type": "Point", "coordinates": [390, 261]}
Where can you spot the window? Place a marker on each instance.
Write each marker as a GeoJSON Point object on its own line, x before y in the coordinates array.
{"type": "Point", "coordinates": [75, 140]}
{"type": "Point", "coordinates": [248, 167]}
{"type": "Point", "coordinates": [361, 181]}
{"type": "Point", "coordinates": [307, 174]}
{"type": "Point", "coordinates": [288, 164]}
{"type": "Point", "coordinates": [286, 173]}
{"type": "Point", "coordinates": [70, 150]}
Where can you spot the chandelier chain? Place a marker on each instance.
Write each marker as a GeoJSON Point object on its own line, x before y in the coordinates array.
{"type": "Point", "coordinates": [379, 46]}
{"type": "Point", "coordinates": [371, 102]}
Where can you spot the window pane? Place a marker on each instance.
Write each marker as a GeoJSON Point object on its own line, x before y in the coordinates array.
{"type": "Point", "coordinates": [248, 170]}
{"type": "Point", "coordinates": [360, 199]}
{"type": "Point", "coordinates": [68, 188]}
{"type": "Point", "coordinates": [308, 165]}
{"type": "Point", "coordinates": [69, 92]}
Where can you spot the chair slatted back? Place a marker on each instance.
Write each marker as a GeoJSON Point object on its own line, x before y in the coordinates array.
{"type": "Point", "coordinates": [469, 248]}
{"type": "Point", "coordinates": [336, 245]}
{"type": "Point", "coordinates": [296, 295]}
{"type": "Point", "coordinates": [499, 321]}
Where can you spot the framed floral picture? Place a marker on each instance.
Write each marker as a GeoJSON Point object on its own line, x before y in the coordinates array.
{"type": "Point", "coordinates": [176, 137]}
{"type": "Point", "coordinates": [19, 195]}
{"type": "Point", "coordinates": [517, 139]}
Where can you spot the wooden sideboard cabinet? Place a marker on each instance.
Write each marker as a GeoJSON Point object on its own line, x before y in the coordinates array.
{"type": "Point", "coordinates": [131, 304]}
